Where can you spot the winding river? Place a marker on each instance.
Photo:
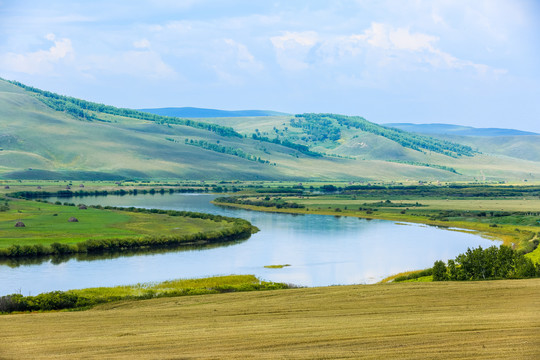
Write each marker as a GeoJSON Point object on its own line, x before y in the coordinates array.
{"type": "Point", "coordinates": [322, 250]}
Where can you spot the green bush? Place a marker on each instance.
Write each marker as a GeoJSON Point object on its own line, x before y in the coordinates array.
{"type": "Point", "coordinates": [484, 264]}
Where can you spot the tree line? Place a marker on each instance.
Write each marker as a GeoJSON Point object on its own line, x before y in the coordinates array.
{"type": "Point", "coordinates": [284, 142]}
{"type": "Point", "coordinates": [266, 202]}
{"type": "Point", "coordinates": [227, 150]}
{"type": "Point", "coordinates": [417, 163]}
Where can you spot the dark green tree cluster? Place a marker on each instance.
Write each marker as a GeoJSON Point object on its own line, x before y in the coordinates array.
{"type": "Point", "coordinates": [226, 150]}
{"type": "Point", "coordinates": [319, 128]}
{"type": "Point", "coordinates": [453, 190]}
{"type": "Point", "coordinates": [284, 142]}
{"type": "Point", "coordinates": [435, 166]}
{"type": "Point", "coordinates": [484, 264]}
{"type": "Point", "coordinates": [121, 192]}
{"type": "Point", "coordinates": [278, 203]}
{"type": "Point", "coordinates": [404, 138]}
{"type": "Point", "coordinates": [82, 109]}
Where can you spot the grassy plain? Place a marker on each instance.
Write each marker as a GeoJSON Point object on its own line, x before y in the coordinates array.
{"type": "Point", "coordinates": [48, 223]}
{"type": "Point", "coordinates": [449, 320]}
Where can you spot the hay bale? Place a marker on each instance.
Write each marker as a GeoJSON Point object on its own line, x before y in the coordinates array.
{"type": "Point", "coordinates": [20, 224]}
{"type": "Point", "coordinates": [73, 219]}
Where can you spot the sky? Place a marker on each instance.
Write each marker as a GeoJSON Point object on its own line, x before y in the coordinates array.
{"type": "Point", "coordinates": [474, 63]}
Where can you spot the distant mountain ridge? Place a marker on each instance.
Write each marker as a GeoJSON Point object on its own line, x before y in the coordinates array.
{"type": "Point", "coordinates": [448, 129]}
{"type": "Point", "coordinates": [193, 112]}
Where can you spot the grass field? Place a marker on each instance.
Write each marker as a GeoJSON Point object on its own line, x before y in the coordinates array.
{"type": "Point", "coordinates": [450, 320]}
{"type": "Point", "coordinates": [48, 223]}
{"type": "Point", "coordinates": [524, 204]}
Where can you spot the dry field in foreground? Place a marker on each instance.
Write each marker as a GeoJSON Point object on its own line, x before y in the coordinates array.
{"type": "Point", "coordinates": [475, 320]}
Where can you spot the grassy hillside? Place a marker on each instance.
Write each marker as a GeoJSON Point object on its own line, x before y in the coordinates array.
{"type": "Point", "coordinates": [191, 112]}
{"type": "Point", "coordinates": [498, 320]}
{"type": "Point", "coordinates": [48, 136]}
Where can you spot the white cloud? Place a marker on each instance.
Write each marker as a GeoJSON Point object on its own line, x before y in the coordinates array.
{"type": "Point", "coordinates": [422, 47]}
{"type": "Point", "coordinates": [142, 44]}
{"type": "Point", "coordinates": [380, 44]}
{"type": "Point", "coordinates": [141, 64]}
{"type": "Point", "coordinates": [41, 61]}
{"type": "Point", "coordinates": [292, 48]}
{"type": "Point", "coordinates": [243, 58]}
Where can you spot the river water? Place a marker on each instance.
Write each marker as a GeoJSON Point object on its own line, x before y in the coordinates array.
{"type": "Point", "coordinates": [322, 250]}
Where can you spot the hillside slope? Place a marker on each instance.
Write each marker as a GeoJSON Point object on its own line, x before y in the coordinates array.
{"type": "Point", "coordinates": [48, 136]}
{"type": "Point", "coordinates": [192, 112]}
{"type": "Point", "coordinates": [506, 142]}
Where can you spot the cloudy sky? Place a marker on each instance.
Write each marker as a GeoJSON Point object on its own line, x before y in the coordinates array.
{"type": "Point", "coordinates": [464, 62]}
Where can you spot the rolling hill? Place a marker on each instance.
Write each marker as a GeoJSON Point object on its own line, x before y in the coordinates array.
{"type": "Point", "coordinates": [49, 136]}
{"type": "Point", "coordinates": [458, 130]}
{"type": "Point", "coordinates": [192, 112]}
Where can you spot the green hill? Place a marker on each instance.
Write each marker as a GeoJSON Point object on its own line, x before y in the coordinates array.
{"type": "Point", "coordinates": [48, 136]}
{"type": "Point", "coordinates": [192, 112]}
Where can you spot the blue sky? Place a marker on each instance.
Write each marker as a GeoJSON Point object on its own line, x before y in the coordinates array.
{"type": "Point", "coordinates": [463, 62]}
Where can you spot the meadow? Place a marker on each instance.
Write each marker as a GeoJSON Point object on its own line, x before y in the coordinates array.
{"type": "Point", "coordinates": [472, 320]}
{"type": "Point", "coordinates": [48, 230]}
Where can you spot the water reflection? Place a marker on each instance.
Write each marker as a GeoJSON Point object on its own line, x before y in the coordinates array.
{"type": "Point", "coordinates": [108, 255]}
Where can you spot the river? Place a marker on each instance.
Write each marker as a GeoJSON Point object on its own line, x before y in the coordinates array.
{"type": "Point", "coordinates": [322, 250]}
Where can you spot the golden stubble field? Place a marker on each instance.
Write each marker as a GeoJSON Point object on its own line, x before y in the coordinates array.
{"type": "Point", "coordinates": [451, 320]}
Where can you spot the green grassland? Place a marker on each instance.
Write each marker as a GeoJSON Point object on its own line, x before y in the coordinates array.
{"type": "Point", "coordinates": [46, 224]}
{"type": "Point", "coordinates": [474, 320]}
{"type": "Point", "coordinates": [105, 143]}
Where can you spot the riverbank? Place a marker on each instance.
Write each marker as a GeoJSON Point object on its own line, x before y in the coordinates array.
{"type": "Point", "coordinates": [514, 234]}
{"type": "Point", "coordinates": [87, 298]}
{"type": "Point", "coordinates": [451, 320]}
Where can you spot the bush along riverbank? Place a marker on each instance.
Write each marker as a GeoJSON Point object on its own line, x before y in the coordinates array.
{"type": "Point", "coordinates": [86, 298]}
{"type": "Point", "coordinates": [239, 229]}
{"type": "Point", "coordinates": [479, 264]}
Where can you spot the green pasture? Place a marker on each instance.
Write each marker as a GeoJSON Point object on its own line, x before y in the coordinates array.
{"type": "Point", "coordinates": [48, 223]}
